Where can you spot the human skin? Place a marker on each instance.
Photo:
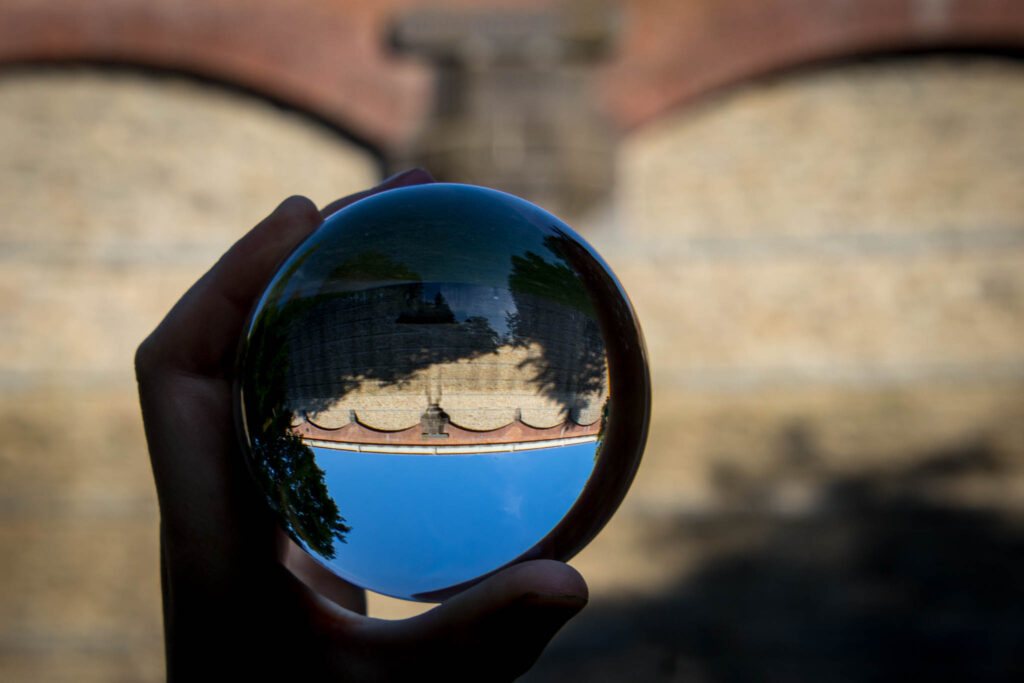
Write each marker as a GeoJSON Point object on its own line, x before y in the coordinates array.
{"type": "Point", "coordinates": [234, 605]}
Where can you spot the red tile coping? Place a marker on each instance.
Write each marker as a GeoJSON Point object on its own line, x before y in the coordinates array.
{"type": "Point", "coordinates": [515, 432]}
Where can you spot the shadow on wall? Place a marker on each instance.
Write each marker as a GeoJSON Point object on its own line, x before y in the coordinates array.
{"type": "Point", "coordinates": [880, 579]}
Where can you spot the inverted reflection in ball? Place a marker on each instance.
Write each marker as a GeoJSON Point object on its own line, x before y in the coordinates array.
{"type": "Point", "coordinates": [442, 380]}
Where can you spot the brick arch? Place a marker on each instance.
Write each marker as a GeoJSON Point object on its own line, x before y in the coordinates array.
{"type": "Point", "coordinates": [319, 56]}
{"type": "Point", "coordinates": [329, 58]}
{"type": "Point", "coordinates": [673, 53]}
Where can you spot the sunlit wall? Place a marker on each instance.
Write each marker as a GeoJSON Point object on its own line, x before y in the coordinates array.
{"type": "Point", "coordinates": [827, 263]}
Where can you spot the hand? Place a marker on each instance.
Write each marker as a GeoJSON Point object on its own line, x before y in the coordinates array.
{"type": "Point", "coordinates": [231, 609]}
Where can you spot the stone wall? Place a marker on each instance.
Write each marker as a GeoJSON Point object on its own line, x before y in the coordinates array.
{"type": "Point", "coordinates": [827, 264]}
{"type": "Point", "coordinates": [829, 268]}
{"type": "Point", "coordinates": [117, 191]}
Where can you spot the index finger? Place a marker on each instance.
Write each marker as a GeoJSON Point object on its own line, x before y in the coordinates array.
{"type": "Point", "coordinates": [203, 327]}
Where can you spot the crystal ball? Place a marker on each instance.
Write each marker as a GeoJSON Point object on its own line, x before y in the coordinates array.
{"type": "Point", "coordinates": [439, 382]}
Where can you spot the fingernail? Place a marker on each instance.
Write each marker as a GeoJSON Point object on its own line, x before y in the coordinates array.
{"type": "Point", "coordinates": [401, 177]}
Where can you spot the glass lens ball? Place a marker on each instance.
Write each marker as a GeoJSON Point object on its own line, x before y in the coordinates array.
{"type": "Point", "coordinates": [441, 381]}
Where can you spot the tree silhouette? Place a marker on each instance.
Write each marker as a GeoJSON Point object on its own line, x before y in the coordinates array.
{"type": "Point", "coordinates": [370, 265]}
{"type": "Point", "coordinates": [554, 311]}
{"type": "Point", "coordinates": [283, 466]}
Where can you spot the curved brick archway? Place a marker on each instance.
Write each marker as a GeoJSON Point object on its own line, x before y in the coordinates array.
{"type": "Point", "coordinates": [673, 53]}
{"type": "Point", "coordinates": [331, 58]}
{"type": "Point", "coordinates": [315, 55]}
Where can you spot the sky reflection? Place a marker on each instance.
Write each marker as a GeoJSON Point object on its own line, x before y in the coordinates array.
{"type": "Point", "coordinates": [425, 522]}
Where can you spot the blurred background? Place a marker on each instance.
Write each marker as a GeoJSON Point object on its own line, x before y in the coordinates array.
{"type": "Point", "coordinates": [816, 207]}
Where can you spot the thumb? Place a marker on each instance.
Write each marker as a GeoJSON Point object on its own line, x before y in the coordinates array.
{"type": "Point", "coordinates": [497, 629]}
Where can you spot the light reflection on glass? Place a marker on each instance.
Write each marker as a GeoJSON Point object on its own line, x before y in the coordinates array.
{"type": "Point", "coordinates": [425, 390]}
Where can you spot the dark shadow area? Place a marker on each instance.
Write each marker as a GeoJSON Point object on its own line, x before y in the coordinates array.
{"type": "Point", "coordinates": [384, 334]}
{"type": "Point", "coordinates": [884, 578]}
